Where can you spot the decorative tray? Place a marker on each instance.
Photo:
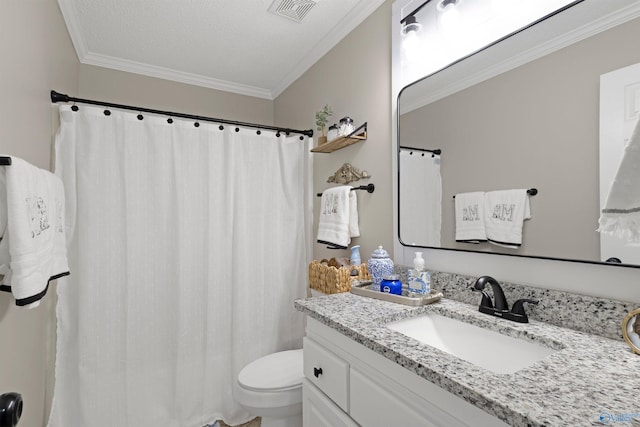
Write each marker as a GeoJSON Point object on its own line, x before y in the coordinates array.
{"type": "Point", "coordinates": [363, 288]}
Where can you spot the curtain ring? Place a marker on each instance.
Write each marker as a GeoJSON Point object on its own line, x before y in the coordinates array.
{"type": "Point", "coordinates": [140, 116]}
{"type": "Point", "coordinates": [107, 112]}
{"type": "Point", "coordinates": [196, 124]}
{"type": "Point", "coordinates": [278, 134]}
{"type": "Point", "coordinates": [74, 107]}
{"type": "Point", "coordinates": [237, 129]}
{"type": "Point", "coordinates": [258, 132]}
{"type": "Point", "coordinates": [169, 120]}
{"type": "Point", "coordinates": [221, 127]}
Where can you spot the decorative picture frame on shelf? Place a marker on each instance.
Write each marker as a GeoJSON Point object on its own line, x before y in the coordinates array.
{"type": "Point", "coordinates": [631, 330]}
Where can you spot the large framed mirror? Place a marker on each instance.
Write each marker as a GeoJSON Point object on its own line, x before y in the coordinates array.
{"type": "Point", "coordinates": [525, 112]}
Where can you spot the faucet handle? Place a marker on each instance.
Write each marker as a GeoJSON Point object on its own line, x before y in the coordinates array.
{"type": "Point", "coordinates": [518, 306]}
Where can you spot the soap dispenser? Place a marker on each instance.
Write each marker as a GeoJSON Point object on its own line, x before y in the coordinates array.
{"type": "Point", "coordinates": [419, 280]}
{"type": "Point", "coordinates": [379, 266]}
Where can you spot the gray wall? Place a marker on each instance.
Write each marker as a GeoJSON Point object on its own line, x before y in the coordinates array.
{"type": "Point", "coordinates": [37, 55]}
{"type": "Point", "coordinates": [354, 78]}
{"type": "Point", "coordinates": [132, 89]}
{"type": "Point", "coordinates": [535, 126]}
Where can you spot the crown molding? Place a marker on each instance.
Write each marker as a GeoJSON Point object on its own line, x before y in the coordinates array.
{"type": "Point", "coordinates": [71, 19]}
{"type": "Point", "coordinates": [173, 75]}
{"type": "Point", "coordinates": [90, 58]}
{"type": "Point", "coordinates": [342, 28]}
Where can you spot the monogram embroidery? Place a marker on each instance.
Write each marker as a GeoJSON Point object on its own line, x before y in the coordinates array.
{"type": "Point", "coordinates": [503, 212]}
{"type": "Point", "coordinates": [470, 213]}
{"type": "Point", "coordinates": [38, 215]}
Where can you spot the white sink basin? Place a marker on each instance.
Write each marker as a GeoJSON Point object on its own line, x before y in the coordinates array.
{"type": "Point", "coordinates": [485, 348]}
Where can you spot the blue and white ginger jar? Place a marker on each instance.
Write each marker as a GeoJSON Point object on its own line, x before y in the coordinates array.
{"type": "Point", "coordinates": [379, 266]}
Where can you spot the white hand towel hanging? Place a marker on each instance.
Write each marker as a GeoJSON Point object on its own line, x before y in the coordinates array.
{"type": "Point", "coordinates": [338, 221]}
{"type": "Point", "coordinates": [33, 246]}
{"type": "Point", "coordinates": [620, 216]}
{"type": "Point", "coordinates": [470, 217]}
{"type": "Point", "coordinates": [505, 212]}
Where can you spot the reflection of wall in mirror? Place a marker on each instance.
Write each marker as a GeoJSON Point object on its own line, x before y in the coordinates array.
{"type": "Point", "coordinates": [534, 126]}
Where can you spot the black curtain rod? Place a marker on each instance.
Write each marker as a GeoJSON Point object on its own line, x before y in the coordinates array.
{"type": "Point", "coordinates": [5, 161]}
{"type": "Point", "coordinates": [59, 97]}
{"type": "Point", "coordinates": [436, 151]}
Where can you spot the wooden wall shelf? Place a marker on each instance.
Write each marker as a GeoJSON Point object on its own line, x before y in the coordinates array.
{"type": "Point", "coordinates": [357, 135]}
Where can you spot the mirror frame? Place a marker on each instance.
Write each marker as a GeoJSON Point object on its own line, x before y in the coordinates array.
{"type": "Point", "coordinates": [633, 315]}
{"type": "Point", "coordinates": [588, 23]}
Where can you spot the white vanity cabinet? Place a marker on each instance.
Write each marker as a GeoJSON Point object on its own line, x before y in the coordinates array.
{"type": "Point", "coordinates": [347, 384]}
{"type": "Point", "coordinates": [319, 411]}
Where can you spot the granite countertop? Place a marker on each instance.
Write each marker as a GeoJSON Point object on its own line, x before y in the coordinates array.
{"type": "Point", "coordinates": [589, 377]}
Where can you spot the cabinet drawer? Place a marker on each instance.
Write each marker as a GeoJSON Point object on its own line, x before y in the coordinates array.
{"type": "Point", "coordinates": [327, 371]}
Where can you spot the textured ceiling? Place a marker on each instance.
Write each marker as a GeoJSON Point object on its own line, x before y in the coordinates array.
{"type": "Point", "coordinates": [232, 45]}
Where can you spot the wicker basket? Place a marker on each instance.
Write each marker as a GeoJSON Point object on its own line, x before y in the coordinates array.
{"type": "Point", "coordinates": [332, 280]}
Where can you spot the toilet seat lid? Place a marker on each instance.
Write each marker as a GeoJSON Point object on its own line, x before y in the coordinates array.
{"type": "Point", "coordinates": [275, 371]}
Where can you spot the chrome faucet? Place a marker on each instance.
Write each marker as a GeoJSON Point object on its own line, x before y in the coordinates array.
{"type": "Point", "coordinates": [499, 306]}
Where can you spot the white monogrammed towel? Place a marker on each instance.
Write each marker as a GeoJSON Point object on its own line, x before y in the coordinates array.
{"type": "Point", "coordinates": [504, 215]}
{"type": "Point", "coordinates": [338, 221]}
{"type": "Point", "coordinates": [33, 245]}
{"type": "Point", "coordinates": [470, 217]}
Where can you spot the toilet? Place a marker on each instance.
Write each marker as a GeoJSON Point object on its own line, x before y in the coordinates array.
{"type": "Point", "coordinates": [271, 388]}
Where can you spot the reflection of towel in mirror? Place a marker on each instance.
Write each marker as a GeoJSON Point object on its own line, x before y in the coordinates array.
{"type": "Point", "coordinates": [470, 217]}
{"type": "Point", "coordinates": [620, 216]}
{"type": "Point", "coordinates": [33, 247]}
{"type": "Point", "coordinates": [338, 221]}
{"type": "Point", "coordinates": [505, 212]}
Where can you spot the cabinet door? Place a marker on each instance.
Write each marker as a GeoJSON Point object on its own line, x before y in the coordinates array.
{"type": "Point", "coordinates": [319, 411]}
{"type": "Point", "coordinates": [376, 404]}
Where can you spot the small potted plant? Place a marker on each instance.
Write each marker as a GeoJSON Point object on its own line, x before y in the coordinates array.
{"type": "Point", "coordinates": [322, 118]}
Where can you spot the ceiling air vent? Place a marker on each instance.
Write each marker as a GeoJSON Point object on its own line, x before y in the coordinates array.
{"type": "Point", "coordinates": [295, 10]}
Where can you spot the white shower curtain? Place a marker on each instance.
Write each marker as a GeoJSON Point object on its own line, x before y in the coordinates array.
{"type": "Point", "coordinates": [420, 198]}
{"type": "Point", "coordinates": [187, 248]}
